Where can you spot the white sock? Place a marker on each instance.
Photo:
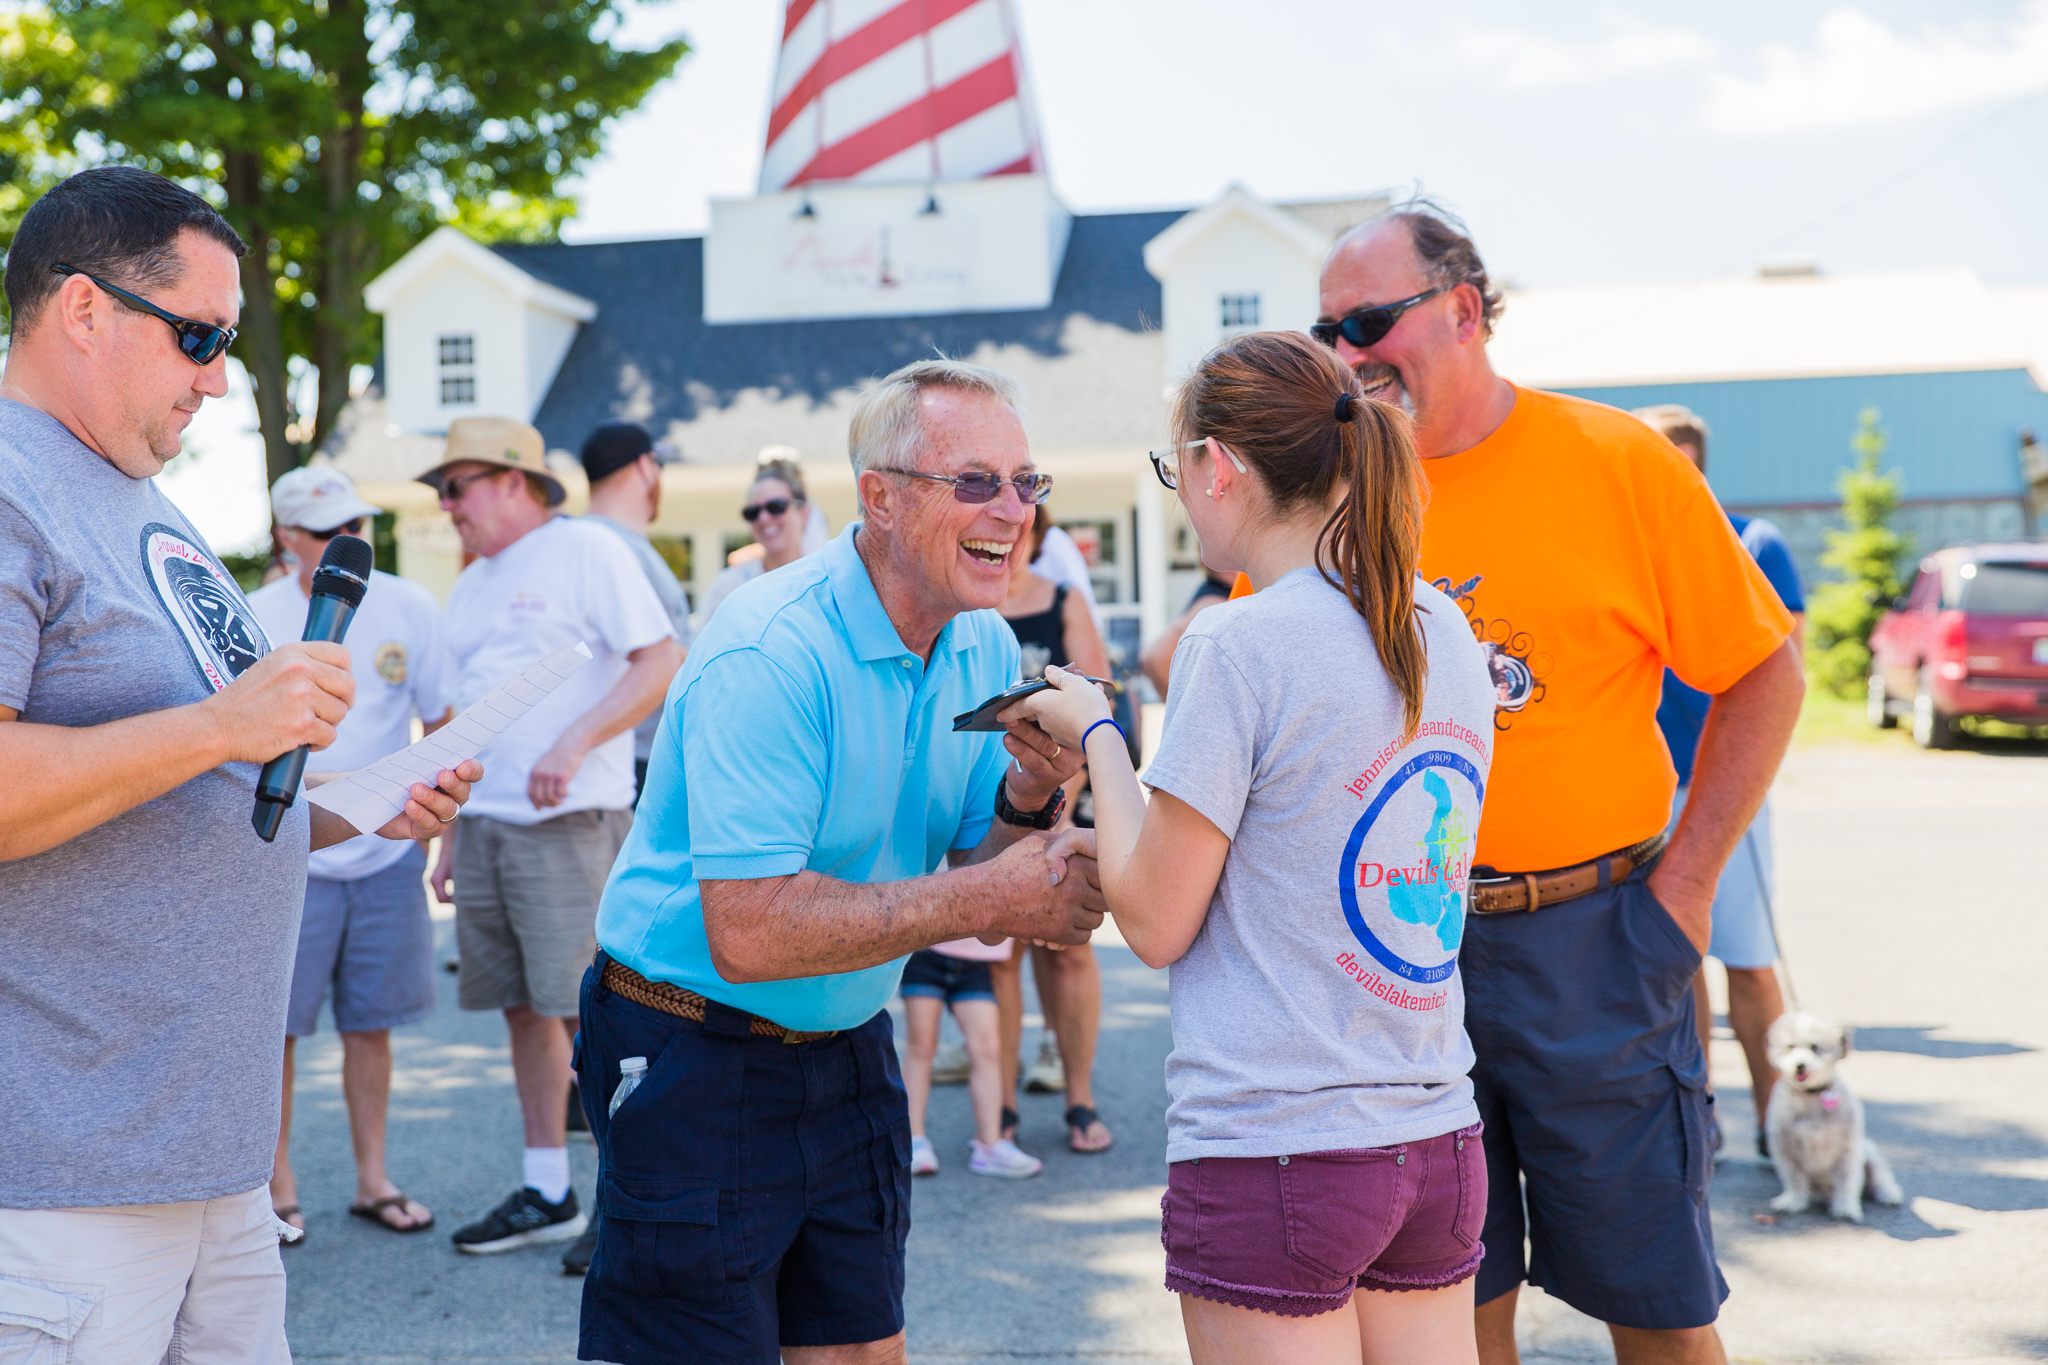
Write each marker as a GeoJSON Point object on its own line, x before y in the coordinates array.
{"type": "Point", "coordinates": [547, 1170]}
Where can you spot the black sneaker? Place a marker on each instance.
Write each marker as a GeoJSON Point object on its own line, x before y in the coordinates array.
{"type": "Point", "coordinates": [579, 1122]}
{"type": "Point", "coordinates": [523, 1220]}
{"type": "Point", "coordinates": [576, 1260]}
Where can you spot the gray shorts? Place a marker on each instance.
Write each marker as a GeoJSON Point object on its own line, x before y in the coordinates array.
{"type": "Point", "coordinates": [526, 907]}
{"type": "Point", "coordinates": [374, 941]}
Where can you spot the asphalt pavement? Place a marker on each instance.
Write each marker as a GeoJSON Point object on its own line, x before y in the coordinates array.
{"type": "Point", "coordinates": [1913, 902]}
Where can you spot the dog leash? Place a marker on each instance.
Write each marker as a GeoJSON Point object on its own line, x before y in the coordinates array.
{"type": "Point", "coordinates": [1763, 886]}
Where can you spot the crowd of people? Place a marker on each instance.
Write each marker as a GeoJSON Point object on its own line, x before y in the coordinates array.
{"type": "Point", "coordinates": [695, 875]}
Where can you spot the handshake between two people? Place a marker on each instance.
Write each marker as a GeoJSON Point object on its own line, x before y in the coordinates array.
{"type": "Point", "coordinates": [1045, 733]}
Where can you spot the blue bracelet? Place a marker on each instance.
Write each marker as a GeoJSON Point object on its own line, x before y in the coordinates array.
{"type": "Point", "coordinates": [1097, 726]}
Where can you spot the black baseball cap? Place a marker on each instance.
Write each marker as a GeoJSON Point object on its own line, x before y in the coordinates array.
{"type": "Point", "coordinates": [615, 445]}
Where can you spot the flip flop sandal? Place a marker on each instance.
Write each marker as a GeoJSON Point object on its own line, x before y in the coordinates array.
{"type": "Point", "coordinates": [1082, 1117]}
{"type": "Point", "coordinates": [278, 1216]}
{"type": "Point", "coordinates": [374, 1212]}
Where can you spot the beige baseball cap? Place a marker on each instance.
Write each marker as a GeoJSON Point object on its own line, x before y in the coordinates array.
{"type": "Point", "coordinates": [315, 499]}
{"type": "Point", "coordinates": [499, 441]}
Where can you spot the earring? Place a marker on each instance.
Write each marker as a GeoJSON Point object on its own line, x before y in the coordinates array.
{"type": "Point", "coordinates": [1209, 491]}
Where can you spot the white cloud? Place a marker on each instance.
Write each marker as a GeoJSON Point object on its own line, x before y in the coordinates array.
{"type": "Point", "coordinates": [1859, 73]}
{"type": "Point", "coordinates": [1534, 61]}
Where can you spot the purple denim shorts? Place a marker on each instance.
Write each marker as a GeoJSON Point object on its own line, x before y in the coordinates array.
{"type": "Point", "coordinates": [1295, 1234]}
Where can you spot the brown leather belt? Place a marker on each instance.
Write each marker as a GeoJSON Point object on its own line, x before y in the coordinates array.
{"type": "Point", "coordinates": [1500, 893]}
{"type": "Point", "coordinates": [660, 995]}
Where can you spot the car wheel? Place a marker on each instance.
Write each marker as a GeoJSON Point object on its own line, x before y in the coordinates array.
{"type": "Point", "coordinates": [1931, 728]}
{"type": "Point", "coordinates": [1879, 707]}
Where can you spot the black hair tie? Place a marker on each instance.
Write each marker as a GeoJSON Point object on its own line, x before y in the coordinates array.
{"type": "Point", "coordinates": [1344, 407]}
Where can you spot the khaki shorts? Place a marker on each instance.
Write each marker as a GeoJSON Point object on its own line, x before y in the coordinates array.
{"type": "Point", "coordinates": [198, 1282]}
{"type": "Point", "coordinates": [526, 907]}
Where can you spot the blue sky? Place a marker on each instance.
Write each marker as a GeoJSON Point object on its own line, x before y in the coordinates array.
{"type": "Point", "coordinates": [1582, 141]}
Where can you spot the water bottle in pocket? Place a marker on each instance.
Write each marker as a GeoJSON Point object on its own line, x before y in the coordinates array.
{"type": "Point", "coordinates": [631, 1070]}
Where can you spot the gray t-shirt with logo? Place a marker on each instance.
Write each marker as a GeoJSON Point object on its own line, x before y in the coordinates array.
{"type": "Point", "coordinates": [146, 962]}
{"type": "Point", "coordinates": [674, 601]}
{"type": "Point", "coordinates": [1320, 1006]}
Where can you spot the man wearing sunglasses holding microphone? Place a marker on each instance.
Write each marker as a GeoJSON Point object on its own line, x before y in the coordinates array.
{"type": "Point", "coordinates": [148, 933]}
{"type": "Point", "coordinates": [1587, 555]}
{"type": "Point", "coordinates": [805, 784]}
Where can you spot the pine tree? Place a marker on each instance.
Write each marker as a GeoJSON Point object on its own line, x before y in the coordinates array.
{"type": "Point", "coordinates": [1868, 554]}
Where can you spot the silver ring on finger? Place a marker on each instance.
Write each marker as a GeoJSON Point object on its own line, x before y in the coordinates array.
{"type": "Point", "coordinates": [447, 819]}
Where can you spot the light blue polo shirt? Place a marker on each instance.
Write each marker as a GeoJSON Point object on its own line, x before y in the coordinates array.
{"type": "Point", "coordinates": [801, 734]}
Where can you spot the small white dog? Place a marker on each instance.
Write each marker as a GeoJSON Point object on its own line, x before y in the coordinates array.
{"type": "Point", "coordinates": [1816, 1126]}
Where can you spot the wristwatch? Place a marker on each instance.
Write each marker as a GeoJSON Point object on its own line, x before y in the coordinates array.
{"type": "Point", "coordinates": [1029, 819]}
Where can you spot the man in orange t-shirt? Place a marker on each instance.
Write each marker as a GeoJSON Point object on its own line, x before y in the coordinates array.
{"type": "Point", "coordinates": [1587, 555]}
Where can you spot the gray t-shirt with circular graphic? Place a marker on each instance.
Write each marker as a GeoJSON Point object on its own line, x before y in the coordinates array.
{"type": "Point", "coordinates": [1320, 1007]}
{"type": "Point", "coordinates": [147, 961]}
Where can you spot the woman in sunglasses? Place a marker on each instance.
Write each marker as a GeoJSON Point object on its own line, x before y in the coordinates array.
{"type": "Point", "coordinates": [1302, 867]}
{"type": "Point", "coordinates": [775, 511]}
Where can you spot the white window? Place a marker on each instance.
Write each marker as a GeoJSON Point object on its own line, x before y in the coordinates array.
{"type": "Point", "coordinates": [458, 370]}
{"type": "Point", "coordinates": [1237, 312]}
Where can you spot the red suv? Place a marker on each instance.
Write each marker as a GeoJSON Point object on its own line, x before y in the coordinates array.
{"type": "Point", "coordinates": [1969, 638]}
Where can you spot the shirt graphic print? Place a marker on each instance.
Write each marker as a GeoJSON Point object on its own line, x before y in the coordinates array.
{"type": "Point", "coordinates": [1402, 879]}
{"type": "Point", "coordinates": [1519, 670]}
{"type": "Point", "coordinates": [204, 604]}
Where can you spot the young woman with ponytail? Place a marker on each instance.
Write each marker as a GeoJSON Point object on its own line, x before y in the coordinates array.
{"type": "Point", "coordinates": [1301, 866]}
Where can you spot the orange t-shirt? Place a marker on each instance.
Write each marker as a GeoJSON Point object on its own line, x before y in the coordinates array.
{"type": "Point", "coordinates": [1588, 554]}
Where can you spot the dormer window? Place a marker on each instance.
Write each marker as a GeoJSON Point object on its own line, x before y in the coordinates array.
{"type": "Point", "coordinates": [1238, 312]}
{"type": "Point", "coordinates": [458, 370]}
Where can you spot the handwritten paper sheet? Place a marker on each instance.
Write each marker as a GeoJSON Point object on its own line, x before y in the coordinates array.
{"type": "Point", "coordinates": [370, 797]}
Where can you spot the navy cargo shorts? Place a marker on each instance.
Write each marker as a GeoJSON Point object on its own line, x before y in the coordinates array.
{"type": "Point", "coordinates": [754, 1193]}
{"type": "Point", "coordinates": [1592, 1086]}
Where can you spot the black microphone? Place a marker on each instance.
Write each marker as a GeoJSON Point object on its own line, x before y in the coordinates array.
{"type": "Point", "coordinates": [338, 587]}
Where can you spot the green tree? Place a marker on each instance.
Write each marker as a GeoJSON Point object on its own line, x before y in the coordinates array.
{"type": "Point", "coordinates": [1868, 553]}
{"type": "Point", "coordinates": [333, 134]}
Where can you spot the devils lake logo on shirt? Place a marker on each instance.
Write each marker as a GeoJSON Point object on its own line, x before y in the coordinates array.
{"type": "Point", "coordinates": [1402, 878]}
{"type": "Point", "coordinates": [204, 604]}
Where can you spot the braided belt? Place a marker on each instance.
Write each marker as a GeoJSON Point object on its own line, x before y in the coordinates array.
{"type": "Point", "coordinates": [1503, 892]}
{"type": "Point", "coordinates": [660, 995]}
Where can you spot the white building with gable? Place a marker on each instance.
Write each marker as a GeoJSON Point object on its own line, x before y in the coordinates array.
{"type": "Point", "coordinates": [904, 209]}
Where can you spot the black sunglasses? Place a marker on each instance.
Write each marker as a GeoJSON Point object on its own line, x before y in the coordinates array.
{"type": "Point", "coordinates": [354, 528]}
{"type": "Point", "coordinates": [1032, 489]}
{"type": "Point", "coordinates": [1367, 325]}
{"type": "Point", "coordinates": [202, 342]}
{"type": "Point", "coordinates": [774, 507]}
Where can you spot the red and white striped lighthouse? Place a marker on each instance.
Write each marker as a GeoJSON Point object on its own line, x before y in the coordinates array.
{"type": "Point", "coordinates": [884, 92]}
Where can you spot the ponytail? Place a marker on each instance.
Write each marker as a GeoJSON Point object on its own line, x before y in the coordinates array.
{"type": "Point", "coordinates": [1291, 408]}
{"type": "Point", "coordinates": [1373, 540]}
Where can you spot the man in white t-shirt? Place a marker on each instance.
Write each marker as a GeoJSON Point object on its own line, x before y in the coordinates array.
{"type": "Point", "coordinates": [557, 800]}
{"type": "Point", "coordinates": [366, 930]}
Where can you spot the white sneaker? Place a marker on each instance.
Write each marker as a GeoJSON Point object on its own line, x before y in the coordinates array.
{"type": "Point", "coordinates": [1004, 1158]}
{"type": "Point", "coordinates": [1047, 1075]}
{"type": "Point", "coordinates": [924, 1158]}
{"type": "Point", "coordinates": [951, 1067]}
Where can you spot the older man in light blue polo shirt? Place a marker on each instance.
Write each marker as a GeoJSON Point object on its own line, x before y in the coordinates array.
{"type": "Point", "coordinates": [804, 784]}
